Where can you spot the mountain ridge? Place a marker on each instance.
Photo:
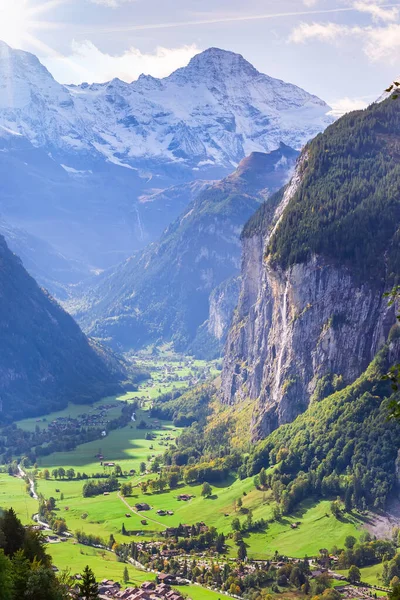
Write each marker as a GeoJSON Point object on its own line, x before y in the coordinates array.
{"type": "Point", "coordinates": [46, 360]}
{"type": "Point", "coordinates": [166, 292]}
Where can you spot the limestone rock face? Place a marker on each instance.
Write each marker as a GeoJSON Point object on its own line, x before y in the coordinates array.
{"type": "Point", "coordinates": [298, 334]}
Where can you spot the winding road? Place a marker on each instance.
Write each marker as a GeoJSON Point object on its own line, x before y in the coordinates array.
{"type": "Point", "coordinates": [31, 482]}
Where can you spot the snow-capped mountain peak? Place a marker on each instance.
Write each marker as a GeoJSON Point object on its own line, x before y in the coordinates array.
{"type": "Point", "coordinates": [207, 115]}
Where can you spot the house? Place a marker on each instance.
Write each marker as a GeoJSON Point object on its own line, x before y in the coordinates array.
{"type": "Point", "coordinates": [142, 506]}
{"type": "Point", "coordinates": [149, 585]}
{"type": "Point", "coordinates": [185, 497]}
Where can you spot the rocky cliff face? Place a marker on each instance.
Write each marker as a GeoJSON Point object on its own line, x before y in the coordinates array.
{"type": "Point", "coordinates": [304, 330]}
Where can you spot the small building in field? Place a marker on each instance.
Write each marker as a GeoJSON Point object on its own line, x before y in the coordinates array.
{"type": "Point", "coordinates": [142, 506]}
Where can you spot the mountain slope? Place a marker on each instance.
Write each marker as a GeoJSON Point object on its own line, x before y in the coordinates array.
{"type": "Point", "coordinates": [311, 314]}
{"type": "Point", "coordinates": [344, 445]}
{"type": "Point", "coordinates": [45, 359]}
{"type": "Point", "coordinates": [85, 167]}
{"type": "Point", "coordinates": [164, 292]}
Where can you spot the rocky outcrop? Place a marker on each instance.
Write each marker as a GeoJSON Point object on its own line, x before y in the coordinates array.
{"type": "Point", "coordinates": [298, 334]}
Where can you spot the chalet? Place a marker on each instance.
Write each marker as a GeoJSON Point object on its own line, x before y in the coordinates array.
{"type": "Point", "coordinates": [142, 506]}
{"type": "Point", "coordinates": [185, 497]}
{"type": "Point", "coordinates": [149, 585]}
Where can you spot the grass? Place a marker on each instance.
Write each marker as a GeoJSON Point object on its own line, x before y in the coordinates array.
{"type": "Point", "coordinates": [13, 494]}
{"type": "Point", "coordinates": [127, 446]}
{"type": "Point", "coordinates": [69, 555]}
{"type": "Point", "coordinates": [103, 515]}
{"type": "Point", "coordinates": [318, 529]}
{"type": "Point", "coordinates": [371, 574]}
{"type": "Point", "coordinates": [196, 592]}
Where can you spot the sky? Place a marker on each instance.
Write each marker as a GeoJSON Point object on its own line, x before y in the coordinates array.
{"type": "Point", "coordinates": [345, 51]}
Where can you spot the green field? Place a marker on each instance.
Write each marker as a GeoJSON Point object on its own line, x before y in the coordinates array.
{"type": "Point", "coordinates": [103, 515]}
{"type": "Point", "coordinates": [371, 575]}
{"type": "Point", "coordinates": [104, 564]}
{"type": "Point", "coordinates": [127, 446]}
{"type": "Point", "coordinates": [13, 494]}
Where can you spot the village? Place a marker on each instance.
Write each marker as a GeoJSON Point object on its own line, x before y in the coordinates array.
{"type": "Point", "coordinates": [98, 417]}
{"type": "Point", "coordinates": [149, 590]}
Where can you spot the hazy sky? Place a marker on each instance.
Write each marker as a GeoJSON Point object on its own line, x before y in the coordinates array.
{"type": "Point", "coordinates": [345, 51]}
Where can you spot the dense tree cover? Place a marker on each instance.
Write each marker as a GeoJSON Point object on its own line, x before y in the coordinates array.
{"type": "Point", "coordinates": [184, 408]}
{"type": "Point", "coordinates": [366, 553]}
{"type": "Point", "coordinates": [343, 445]}
{"type": "Point", "coordinates": [347, 207]}
{"type": "Point", "coordinates": [258, 224]}
{"type": "Point", "coordinates": [391, 569]}
{"type": "Point", "coordinates": [25, 566]}
{"type": "Point", "coordinates": [47, 514]}
{"type": "Point", "coordinates": [95, 488]}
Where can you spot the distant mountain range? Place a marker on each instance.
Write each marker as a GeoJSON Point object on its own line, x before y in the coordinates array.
{"type": "Point", "coordinates": [184, 287]}
{"type": "Point", "coordinates": [89, 169]}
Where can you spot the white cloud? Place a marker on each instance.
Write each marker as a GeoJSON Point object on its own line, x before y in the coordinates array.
{"type": "Point", "coordinates": [345, 105]}
{"type": "Point", "coordinates": [325, 32]}
{"type": "Point", "coordinates": [383, 43]}
{"type": "Point", "coordinates": [377, 43]}
{"type": "Point", "coordinates": [378, 13]}
{"type": "Point", "coordinates": [88, 63]}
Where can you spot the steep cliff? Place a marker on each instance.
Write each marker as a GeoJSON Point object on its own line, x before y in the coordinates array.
{"type": "Point", "coordinates": [316, 262]}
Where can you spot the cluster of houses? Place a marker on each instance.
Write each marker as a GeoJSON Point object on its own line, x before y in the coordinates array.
{"type": "Point", "coordinates": [150, 590]}
{"type": "Point", "coordinates": [96, 418]}
{"type": "Point", "coordinates": [185, 530]}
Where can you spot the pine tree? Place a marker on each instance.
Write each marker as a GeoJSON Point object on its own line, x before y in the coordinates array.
{"type": "Point", "coordinates": [126, 575]}
{"type": "Point", "coordinates": [6, 588]}
{"type": "Point", "coordinates": [88, 588]}
{"type": "Point", "coordinates": [123, 530]}
{"type": "Point", "coordinates": [13, 531]}
{"type": "Point", "coordinates": [20, 572]}
{"type": "Point", "coordinates": [242, 551]}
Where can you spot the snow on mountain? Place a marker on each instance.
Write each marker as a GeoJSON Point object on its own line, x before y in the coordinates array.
{"type": "Point", "coordinates": [207, 115]}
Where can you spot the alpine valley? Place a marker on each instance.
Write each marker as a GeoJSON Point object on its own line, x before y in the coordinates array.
{"type": "Point", "coordinates": [215, 407]}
